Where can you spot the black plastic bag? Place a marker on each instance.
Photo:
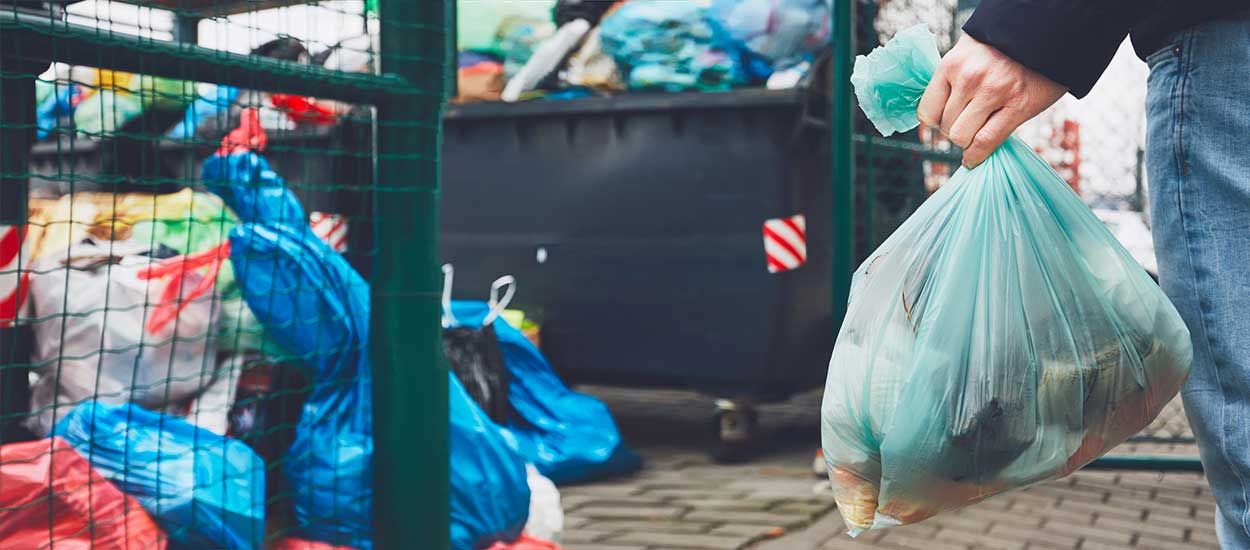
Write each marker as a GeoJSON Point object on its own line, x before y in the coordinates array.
{"type": "Point", "coordinates": [473, 354]}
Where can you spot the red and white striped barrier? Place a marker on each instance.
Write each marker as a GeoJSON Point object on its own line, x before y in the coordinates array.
{"type": "Point", "coordinates": [13, 280]}
{"type": "Point", "coordinates": [785, 243]}
{"type": "Point", "coordinates": [331, 229]}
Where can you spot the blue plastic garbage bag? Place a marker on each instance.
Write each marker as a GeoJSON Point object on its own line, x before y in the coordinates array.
{"type": "Point", "coordinates": [672, 46]}
{"type": "Point", "coordinates": [568, 436]}
{"type": "Point", "coordinates": [205, 490]}
{"type": "Point", "coordinates": [782, 32]}
{"type": "Point", "coordinates": [316, 306]}
{"type": "Point", "coordinates": [252, 189]}
{"type": "Point", "coordinates": [211, 101]}
{"type": "Point", "coordinates": [490, 497]}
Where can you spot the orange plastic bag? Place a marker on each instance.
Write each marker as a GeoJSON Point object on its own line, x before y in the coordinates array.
{"type": "Point", "coordinates": [51, 498]}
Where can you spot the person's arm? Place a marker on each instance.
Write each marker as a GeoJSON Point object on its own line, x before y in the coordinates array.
{"type": "Point", "coordinates": [1017, 58]}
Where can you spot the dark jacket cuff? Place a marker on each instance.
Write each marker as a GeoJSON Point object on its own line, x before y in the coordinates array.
{"type": "Point", "coordinates": [1068, 41]}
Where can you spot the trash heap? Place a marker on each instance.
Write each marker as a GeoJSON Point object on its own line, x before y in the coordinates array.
{"type": "Point", "coordinates": [577, 48]}
{"type": "Point", "coordinates": [201, 361]}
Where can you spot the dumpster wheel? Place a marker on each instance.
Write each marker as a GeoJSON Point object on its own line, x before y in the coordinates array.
{"type": "Point", "coordinates": [737, 427]}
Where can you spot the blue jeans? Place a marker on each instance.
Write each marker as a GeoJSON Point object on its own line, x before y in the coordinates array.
{"type": "Point", "coordinates": [1198, 158]}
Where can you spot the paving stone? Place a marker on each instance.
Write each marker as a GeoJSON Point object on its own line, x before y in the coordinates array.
{"type": "Point", "coordinates": [688, 493]}
{"type": "Point", "coordinates": [597, 546]}
{"type": "Point", "coordinates": [620, 490]}
{"type": "Point", "coordinates": [758, 518]}
{"type": "Point", "coordinates": [961, 522]}
{"type": "Point", "coordinates": [667, 526]}
{"type": "Point", "coordinates": [1043, 536]}
{"type": "Point", "coordinates": [1090, 533]}
{"type": "Point", "coordinates": [803, 508]}
{"type": "Point", "coordinates": [1150, 532]}
{"type": "Point", "coordinates": [679, 540]}
{"type": "Point", "coordinates": [745, 530]}
{"type": "Point", "coordinates": [585, 535]}
{"type": "Point", "coordinates": [731, 504]}
{"type": "Point", "coordinates": [595, 511]}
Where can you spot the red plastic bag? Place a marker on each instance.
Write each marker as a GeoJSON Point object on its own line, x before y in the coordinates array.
{"type": "Point", "coordinates": [303, 110]}
{"type": "Point", "coordinates": [526, 542]}
{"type": "Point", "coordinates": [51, 498]}
{"type": "Point", "coordinates": [292, 543]}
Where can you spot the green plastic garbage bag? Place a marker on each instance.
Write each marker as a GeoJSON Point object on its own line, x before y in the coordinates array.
{"type": "Point", "coordinates": [1000, 337]}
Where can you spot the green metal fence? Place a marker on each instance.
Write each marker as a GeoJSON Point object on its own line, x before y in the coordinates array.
{"type": "Point", "coordinates": [1106, 133]}
{"type": "Point", "coordinates": [98, 188]}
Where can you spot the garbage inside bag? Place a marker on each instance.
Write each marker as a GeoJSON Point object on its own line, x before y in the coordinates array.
{"type": "Point", "coordinates": [52, 498]}
{"type": "Point", "coordinates": [473, 353]}
{"type": "Point", "coordinates": [671, 46]}
{"type": "Point", "coordinates": [782, 32]}
{"type": "Point", "coordinates": [568, 436]}
{"type": "Point", "coordinates": [1000, 337]}
{"type": "Point", "coordinates": [97, 343]}
{"type": "Point", "coordinates": [490, 496]}
{"type": "Point", "coordinates": [205, 490]}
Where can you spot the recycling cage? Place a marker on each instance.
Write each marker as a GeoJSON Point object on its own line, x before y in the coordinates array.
{"type": "Point", "coordinates": [380, 168]}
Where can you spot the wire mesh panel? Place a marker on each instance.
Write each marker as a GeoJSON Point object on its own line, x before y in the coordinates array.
{"type": "Point", "coordinates": [206, 206]}
{"type": "Point", "coordinates": [1095, 144]}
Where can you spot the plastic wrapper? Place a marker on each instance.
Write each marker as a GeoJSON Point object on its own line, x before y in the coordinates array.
{"type": "Point", "coordinates": [205, 490]}
{"type": "Point", "coordinates": [97, 344]}
{"type": "Point", "coordinates": [490, 496]}
{"type": "Point", "coordinates": [568, 436]}
{"type": "Point", "coordinates": [671, 46]}
{"type": "Point", "coordinates": [52, 498]}
{"type": "Point", "coordinates": [1000, 337]}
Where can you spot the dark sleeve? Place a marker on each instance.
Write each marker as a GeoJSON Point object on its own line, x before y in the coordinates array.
{"type": "Point", "coordinates": [1069, 41]}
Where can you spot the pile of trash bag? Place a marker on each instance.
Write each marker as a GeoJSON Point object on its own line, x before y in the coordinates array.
{"type": "Point", "coordinates": [574, 48]}
{"type": "Point", "coordinates": [999, 338]}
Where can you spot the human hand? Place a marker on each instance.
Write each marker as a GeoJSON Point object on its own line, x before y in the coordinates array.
{"type": "Point", "coordinates": [979, 96]}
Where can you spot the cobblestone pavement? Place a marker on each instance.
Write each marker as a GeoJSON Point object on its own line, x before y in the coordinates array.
{"type": "Point", "coordinates": [682, 500]}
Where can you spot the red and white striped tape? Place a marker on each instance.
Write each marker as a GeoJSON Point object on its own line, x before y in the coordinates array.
{"type": "Point", "coordinates": [331, 229]}
{"type": "Point", "coordinates": [13, 280]}
{"type": "Point", "coordinates": [785, 243]}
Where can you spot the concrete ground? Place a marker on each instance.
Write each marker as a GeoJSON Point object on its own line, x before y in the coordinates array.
{"type": "Point", "coordinates": [682, 500]}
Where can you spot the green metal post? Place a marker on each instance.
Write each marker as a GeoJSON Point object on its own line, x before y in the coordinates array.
{"type": "Point", "coordinates": [411, 490]}
{"type": "Point", "coordinates": [17, 133]}
{"type": "Point", "coordinates": [842, 159]}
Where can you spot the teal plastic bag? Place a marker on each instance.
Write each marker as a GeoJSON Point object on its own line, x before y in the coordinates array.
{"type": "Point", "coordinates": [1000, 337]}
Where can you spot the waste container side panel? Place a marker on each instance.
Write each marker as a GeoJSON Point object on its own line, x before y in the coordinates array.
{"type": "Point", "coordinates": [636, 238]}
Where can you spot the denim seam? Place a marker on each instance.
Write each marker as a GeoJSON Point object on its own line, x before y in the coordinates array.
{"type": "Point", "coordinates": [1185, 66]}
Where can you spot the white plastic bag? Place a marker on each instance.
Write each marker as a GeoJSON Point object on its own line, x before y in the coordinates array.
{"type": "Point", "coordinates": [546, 519]}
{"type": "Point", "coordinates": [91, 340]}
